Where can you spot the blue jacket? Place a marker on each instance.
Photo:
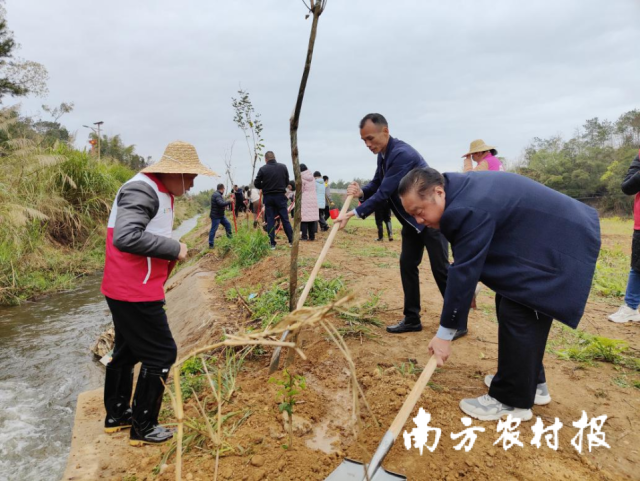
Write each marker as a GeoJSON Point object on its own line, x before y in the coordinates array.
{"type": "Point", "coordinates": [399, 159]}
{"type": "Point", "coordinates": [320, 190]}
{"type": "Point", "coordinates": [218, 204]}
{"type": "Point", "coordinates": [525, 241]}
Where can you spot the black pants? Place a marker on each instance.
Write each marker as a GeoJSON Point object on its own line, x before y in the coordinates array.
{"type": "Point", "coordinates": [522, 337]}
{"type": "Point", "coordinates": [327, 214]}
{"type": "Point", "coordinates": [308, 230]}
{"type": "Point", "coordinates": [382, 215]}
{"type": "Point", "coordinates": [276, 204]}
{"type": "Point", "coordinates": [321, 220]}
{"type": "Point", "coordinates": [142, 335]}
{"type": "Point", "coordinates": [413, 245]}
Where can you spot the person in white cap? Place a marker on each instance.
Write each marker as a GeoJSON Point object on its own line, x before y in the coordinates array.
{"type": "Point", "coordinates": [140, 254]}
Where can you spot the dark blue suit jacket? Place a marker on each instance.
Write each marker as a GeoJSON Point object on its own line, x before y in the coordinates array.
{"type": "Point", "coordinates": [399, 159]}
{"type": "Point", "coordinates": [523, 240]}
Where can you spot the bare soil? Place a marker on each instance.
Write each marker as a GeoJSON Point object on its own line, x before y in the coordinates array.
{"type": "Point", "coordinates": [324, 434]}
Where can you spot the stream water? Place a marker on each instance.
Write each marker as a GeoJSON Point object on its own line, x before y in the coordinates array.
{"type": "Point", "coordinates": [45, 363]}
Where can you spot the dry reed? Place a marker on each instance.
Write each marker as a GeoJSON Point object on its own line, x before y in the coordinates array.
{"type": "Point", "coordinates": [293, 322]}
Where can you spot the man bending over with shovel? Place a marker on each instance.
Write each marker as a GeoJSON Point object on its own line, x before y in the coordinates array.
{"type": "Point", "coordinates": [536, 248]}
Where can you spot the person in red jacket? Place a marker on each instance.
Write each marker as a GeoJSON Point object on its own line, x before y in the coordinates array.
{"type": "Point", "coordinates": [629, 310]}
{"type": "Point", "coordinates": [140, 254]}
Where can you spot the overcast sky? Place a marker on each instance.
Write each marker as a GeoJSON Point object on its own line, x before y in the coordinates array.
{"type": "Point", "coordinates": [443, 73]}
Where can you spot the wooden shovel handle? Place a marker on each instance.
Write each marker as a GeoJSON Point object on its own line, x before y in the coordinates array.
{"type": "Point", "coordinates": [275, 358]}
{"type": "Point", "coordinates": [412, 399]}
{"type": "Point", "coordinates": [323, 254]}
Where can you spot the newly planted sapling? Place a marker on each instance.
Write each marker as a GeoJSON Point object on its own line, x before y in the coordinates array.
{"type": "Point", "coordinates": [290, 386]}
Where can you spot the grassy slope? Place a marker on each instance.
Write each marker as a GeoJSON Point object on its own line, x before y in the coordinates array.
{"type": "Point", "coordinates": [54, 206]}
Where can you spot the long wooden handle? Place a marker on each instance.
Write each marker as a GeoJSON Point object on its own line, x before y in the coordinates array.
{"type": "Point", "coordinates": [323, 254]}
{"type": "Point", "coordinates": [275, 358]}
{"type": "Point", "coordinates": [396, 426]}
{"type": "Point", "coordinates": [412, 399]}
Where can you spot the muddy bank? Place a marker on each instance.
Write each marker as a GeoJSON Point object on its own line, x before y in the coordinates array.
{"type": "Point", "coordinates": [198, 311]}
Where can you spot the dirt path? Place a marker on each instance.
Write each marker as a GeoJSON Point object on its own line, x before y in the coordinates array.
{"type": "Point", "coordinates": [323, 432]}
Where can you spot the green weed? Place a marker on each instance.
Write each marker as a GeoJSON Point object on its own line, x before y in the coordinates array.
{"type": "Point", "coordinates": [221, 379]}
{"type": "Point", "coordinates": [324, 290]}
{"type": "Point", "coordinates": [580, 346]}
{"type": "Point", "coordinates": [246, 247]}
{"type": "Point", "coordinates": [612, 271]}
{"type": "Point", "coordinates": [435, 387]}
{"type": "Point", "coordinates": [289, 387]}
{"type": "Point", "coordinates": [228, 273]}
{"type": "Point", "coordinates": [384, 265]}
{"type": "Point", "coordinates": [621, 381]}
{"type": "Point", "coordinates": [408, 369]}
{"type": "Point", "coordinates": [271, 305]}
{"type": "Point", "coordinates": [360, 318]}
{"type": "Point", "coordinates": [375, 251]}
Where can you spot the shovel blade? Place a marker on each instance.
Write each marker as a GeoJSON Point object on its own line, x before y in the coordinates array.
{"type": "Point", "coordinates": [350, 470]}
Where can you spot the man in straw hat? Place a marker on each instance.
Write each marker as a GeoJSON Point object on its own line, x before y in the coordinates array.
{"type": "Point", "coordinates": [535, 247]}
{"type": "Point", "coordinates": [395, 159]}
{"type": "Point", "coordinates": [140, 254]}
{"type": "Point", "coordinates": [484, 155]}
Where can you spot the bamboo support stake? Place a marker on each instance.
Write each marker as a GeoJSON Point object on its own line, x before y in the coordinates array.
{"type": "Point", "coordinates": [219, 419]}
{"type": "Point", "coordinates": [180, 418]}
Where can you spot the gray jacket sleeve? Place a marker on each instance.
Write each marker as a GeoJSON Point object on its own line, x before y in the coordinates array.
{"type": "Point", "coordinates": [137, 205]}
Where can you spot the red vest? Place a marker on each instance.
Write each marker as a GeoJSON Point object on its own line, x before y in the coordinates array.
{"type": "Point", "coordinates": [636, 212]}
{"type": "Point", "coordinates": [134, 278]}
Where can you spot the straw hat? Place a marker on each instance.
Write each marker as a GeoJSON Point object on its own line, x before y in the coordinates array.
{"type": "Point", "coordinates": [179, 158]}
{"type": "Point", "coordinates": [478, 146]}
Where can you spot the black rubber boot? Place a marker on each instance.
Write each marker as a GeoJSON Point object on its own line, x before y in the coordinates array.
{"type": "Point", "coordinates": [380, 233]}
{"type": "Point", "coordinates": [146, 407]}
{"type": "Point", "coordinates": [118, 383]}
{"type": "Point", "coordinates": [389, 230]}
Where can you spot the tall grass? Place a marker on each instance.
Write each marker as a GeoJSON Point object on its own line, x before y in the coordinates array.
{"type": "Point", "coordinates": [54, 202]}
{"type": "Point", "coordinates": [612, 271]}
{"type": "Point", "coordinates": [247, 246]}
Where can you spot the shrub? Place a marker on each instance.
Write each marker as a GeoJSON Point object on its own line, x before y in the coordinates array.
{"type": "Point", "coordinates": [247, 246]}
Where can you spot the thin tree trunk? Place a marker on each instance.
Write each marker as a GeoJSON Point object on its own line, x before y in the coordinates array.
{"type": "Point", "coordinates": [293, 130]}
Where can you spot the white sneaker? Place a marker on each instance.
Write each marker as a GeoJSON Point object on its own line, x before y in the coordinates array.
{"type": "Point", "coordinates": [486, 408]}
{"type": "Point", "coordinates": [542, 391]}
{"type": "Point", "coordinates": [625, 314]}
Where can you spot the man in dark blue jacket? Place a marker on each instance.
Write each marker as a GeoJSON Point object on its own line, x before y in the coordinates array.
{"type": "Point", "coordinates": [395, 160]}
{"type": "Point", "coordinates": [536, 248]}
{"type": "Point", "coordinates": [218, 205]}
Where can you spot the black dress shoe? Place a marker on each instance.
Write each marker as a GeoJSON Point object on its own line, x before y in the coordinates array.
{"type": "Point", "coordinates": [404, 326]}
{"type": "Point", "coordinates": [460, 333]}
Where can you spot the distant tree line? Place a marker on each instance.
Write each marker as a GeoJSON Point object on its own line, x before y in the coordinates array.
{"type": "Point", "coordinates": [113, 147]}
{"type": "Point", "coordinates": [589, 166]}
